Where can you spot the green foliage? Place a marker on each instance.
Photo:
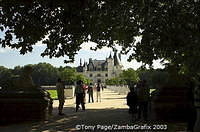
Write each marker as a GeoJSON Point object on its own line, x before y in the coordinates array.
{"type": "Point", "coordinates": [126, 77]}
{"type": "Point", "coordinates": [169, 29]}
{"type": "Point", "coordinates": [67, 24]}
{"type": "Point", "coordinates": [129, 76]}
{"type": "Point", "coordinates": [5, 75]}
{"type": "Point", "coordinates": [154, 78]}
{"type": "Point", "coordinates": [68, 74]}
{"type": "Point", "coordinates": [83, 78]}
{"type": "Point", "coordinates": [44, 74]}
{"type": "Point", "coordinates": [114, 81]}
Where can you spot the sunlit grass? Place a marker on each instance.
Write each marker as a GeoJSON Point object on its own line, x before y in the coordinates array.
{"type": "Point", "coordinates": [53, 94]}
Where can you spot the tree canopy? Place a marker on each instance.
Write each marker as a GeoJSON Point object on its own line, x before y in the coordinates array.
{"type": "Point", "coordinates": [169, 29]}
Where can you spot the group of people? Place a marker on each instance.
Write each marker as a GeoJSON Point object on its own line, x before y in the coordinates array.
{"type": "Point", "coordinates": [80, 92]}
{"type": "Point", "coordinates": [138, 100]}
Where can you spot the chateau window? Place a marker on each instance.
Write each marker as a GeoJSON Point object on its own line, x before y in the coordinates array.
{"type": "Point", "coordinates": [90, 75]}
{"type": "Point", "coordinates": [98, 75]}
{"type": "Point", "coordinates": [106, 75]}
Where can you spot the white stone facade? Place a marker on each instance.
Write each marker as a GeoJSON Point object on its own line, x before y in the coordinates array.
{"type": "Point", "coordinates": [100, 70]}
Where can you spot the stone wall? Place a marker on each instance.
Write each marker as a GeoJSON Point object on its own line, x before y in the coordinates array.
{"type": "Point", "coordinates": [120, 89]}
{"type": "Point", "coordinates": [69, 90]}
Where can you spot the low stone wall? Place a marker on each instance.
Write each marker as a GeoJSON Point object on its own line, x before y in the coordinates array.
{"type": "Point", "coordinates": [69, 90]}
{"type": "Point", "coordinates": [17, 106]}
{"type": "Point", "coordinates": [120, 89]}
{"type": "Point", "coordinates": [50, 87]}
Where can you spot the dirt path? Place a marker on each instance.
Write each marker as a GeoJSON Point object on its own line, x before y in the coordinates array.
{"type": "Point", "coordinates": [111, 112]}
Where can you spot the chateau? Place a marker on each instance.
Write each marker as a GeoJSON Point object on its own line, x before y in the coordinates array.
{"type": "Point", "coordinates": [100, 70]}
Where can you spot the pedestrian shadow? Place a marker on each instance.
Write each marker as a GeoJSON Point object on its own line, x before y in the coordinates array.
{"type": "Point", "coordinates": [94, 117]}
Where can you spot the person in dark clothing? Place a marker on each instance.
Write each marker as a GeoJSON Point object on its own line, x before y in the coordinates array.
{"type": "Point", "coordinates": [61, 97]}
{"type": "Point", "coordinates": [102, 87]}
{"type": "Point", "coordinates": [79, 91]}
{"type": "Point", "coordinates": [98, 87]}
{"type": "Point", "coordinates": [132, 102]}
{"type": "Point", "coordinates": [143, 99]}
{"type": "Point", "coordinates": [90, 92]}
{"type": "Point", "coordinates": [191, 116]}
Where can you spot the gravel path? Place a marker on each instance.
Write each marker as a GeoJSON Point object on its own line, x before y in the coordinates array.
{"type": "Point", "coordinates": [110, 113]}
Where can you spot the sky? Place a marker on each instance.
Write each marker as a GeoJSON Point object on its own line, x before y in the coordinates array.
{"type": "Point", "coordinates": [10, 58]}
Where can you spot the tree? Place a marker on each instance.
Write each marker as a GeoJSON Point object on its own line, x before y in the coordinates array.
{"type": "Point", "coordinates": [17, 70]}
{"type": "Point", "coordinates": [169, 29]}
{"type": "Point", "coordinates": [65, 24]}
{"type": "Point", "coordinates": [129, 76]}
{"type": "Point", "coordinates": [68, 75]}
{"type": "Point", "coordinates": [155, 78]}
{"type": "Point", "coordinates": [171, 33]}
{"type": "Point", "coordinates": [82, 78]}
{"type": "Point", "coordinates": [44, 74]}
{"type": "Point", "coordinates": [114, 81]}
{"type": "Point", "coordinates": [5, 75]}
{"type": "Point", "coordinates": [125, 78]}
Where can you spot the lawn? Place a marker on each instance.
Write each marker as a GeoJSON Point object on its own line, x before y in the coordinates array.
{"type": "Point", "coordinates": [53, 94]}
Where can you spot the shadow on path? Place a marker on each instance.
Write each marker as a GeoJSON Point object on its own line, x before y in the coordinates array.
{"type": "Point", "coordinates": [90, 117]}
{"type": "Point", "coordinates": [111, 111]}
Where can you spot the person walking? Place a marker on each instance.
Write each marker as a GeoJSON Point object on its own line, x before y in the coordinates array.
{"type": "Point", "coordinates": [90, 93]}
{"type": "Point", "coordinates": [98, 87]}
{"type": "Point", "coordinates": [143, 99]}
{"type": "Point", "coordinates": [79, 91]}
{"type": "Point", "coordinates": [60, 92]}
{"type": "Point", "coordinates": [132, 102]}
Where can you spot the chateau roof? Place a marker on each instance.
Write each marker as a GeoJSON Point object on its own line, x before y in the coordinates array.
{"type": "Point", "coordinates": [98, 62]}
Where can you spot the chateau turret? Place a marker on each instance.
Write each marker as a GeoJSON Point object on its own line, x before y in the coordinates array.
{"type": "Point", "coordinates": [100, 70]}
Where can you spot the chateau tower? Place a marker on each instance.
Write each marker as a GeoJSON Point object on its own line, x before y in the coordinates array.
{"type": "Point", "coordinates": [100, 70]}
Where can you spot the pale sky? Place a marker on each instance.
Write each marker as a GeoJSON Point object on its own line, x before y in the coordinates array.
{"type": "Point", "coordinates": [11, 58]}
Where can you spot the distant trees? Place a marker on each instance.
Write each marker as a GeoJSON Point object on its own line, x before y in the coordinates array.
{"type": "Point", "coordinates": [126, 77]}
{"type": "Point", "coordinates": [114, 81]}
{"type": "Point", "coordinates": [68, 74]}
{"type": "Point", "coordinates": [154, 78]}
{"type": "Point", "coordinates": [83, 78]}
{"type": "Point", "coordinates": [5, 74]}
{"type": "Point", "coordinates": [44, 74]}
{"type": "Point", "coordinates": [129, 75]}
